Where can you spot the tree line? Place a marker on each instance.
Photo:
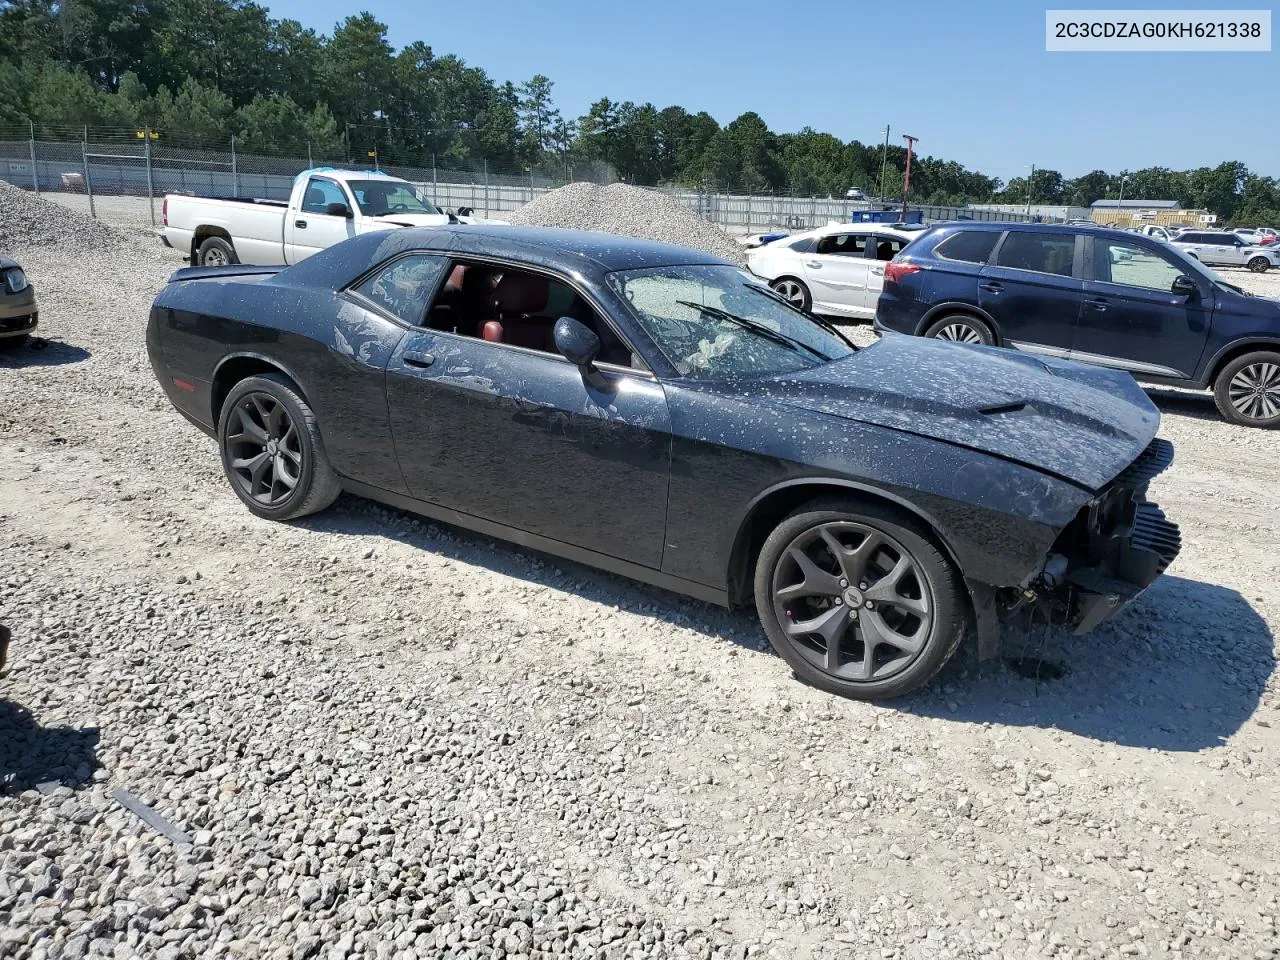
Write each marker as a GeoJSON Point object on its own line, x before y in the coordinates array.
{"type": "Point", "coordinates": [203, 71]}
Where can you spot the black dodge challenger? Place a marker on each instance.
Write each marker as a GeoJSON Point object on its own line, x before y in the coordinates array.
{"type": "Point", "coordinates": [658, 413]}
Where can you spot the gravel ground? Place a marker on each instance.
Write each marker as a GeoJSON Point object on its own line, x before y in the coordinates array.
{"type": "Point", "coordinates": [631, 212]}
{"type": "Point", "coordinates": [380, 737]}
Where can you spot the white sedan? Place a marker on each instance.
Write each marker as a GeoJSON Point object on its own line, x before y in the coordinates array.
{"type": "Point", "coordinates": [837, 269]}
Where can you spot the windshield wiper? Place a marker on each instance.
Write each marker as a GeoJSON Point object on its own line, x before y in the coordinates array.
{"type": "Point", "coordinates": [823, 322]}
{"type": "Point", "coordinates": [764, 332]}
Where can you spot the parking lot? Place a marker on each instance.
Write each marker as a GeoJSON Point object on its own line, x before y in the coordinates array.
{"type": "Point", "coordinates": [380, 736]}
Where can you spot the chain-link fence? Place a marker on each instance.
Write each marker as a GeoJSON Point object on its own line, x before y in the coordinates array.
{"type": "Point", "coordinates": [126, 162]}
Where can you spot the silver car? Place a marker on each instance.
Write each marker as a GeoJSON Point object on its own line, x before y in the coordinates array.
{"type": "Point", "coordinates": [1221, 248]}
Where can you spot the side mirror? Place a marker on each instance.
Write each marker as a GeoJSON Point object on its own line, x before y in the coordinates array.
{"type": "Point", "coordinates": [1184, 286]}
{"type": "Point", "coordinates": [576, 342]}
{"type": "Point", "coordinates": [338, 210]}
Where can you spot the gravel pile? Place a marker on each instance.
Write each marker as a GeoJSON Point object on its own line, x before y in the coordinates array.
{"type": "Point", "coordinates": [366, 735]}
{"type": "Point", "coordinates": [28, 220]}
{"type": "Point", "coordinates": [630, 212]}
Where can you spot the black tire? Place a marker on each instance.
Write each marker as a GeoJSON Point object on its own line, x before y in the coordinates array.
{"type": "Point", "coordinates": [961, 328]}
{"type": "Point", "coordinates": [935, 631]}
{"type": "Point", "coordinates": [300, 480]}
{"type": "Point", "coordinates": [216, 252]}
{"type": "Point", "coordinates": [14, 343]}
{"type": "Point", "coordinates": [1247, 390]}
{"type": "Point", "coordinates": [794, 291]}
{"type": "Point", "coordinates": [1259, 264]}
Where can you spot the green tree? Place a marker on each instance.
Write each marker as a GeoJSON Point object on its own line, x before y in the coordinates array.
{"type": "Point", "coordinates": [199, 113]}
{"type": "Point", "coordinates": [539, 118]}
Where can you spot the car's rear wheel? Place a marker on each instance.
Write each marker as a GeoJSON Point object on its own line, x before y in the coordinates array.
{"type": "Point", "coordinates": [794, 291]}
{"type": "Point", "coordinates": [1247, 390]}
{"type": "Point", "coordinates": [14, 343]}
{"type": "Point", "coordinates": [216, 252]}
{"type": "Point", "coordinates": [1259, 264]}
{"type": "Point", "coordinates": [272, 453]}
{"type": "Point", "coordinates": [961, 328]}
{"type": "Point", "coordinates": [857, 599]}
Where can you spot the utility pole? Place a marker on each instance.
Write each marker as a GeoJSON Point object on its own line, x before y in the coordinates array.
{"type": "Point", "coordinates": [1029, 179]}
{"type": "Point", "coordinates": [884, 155]}
{"type": "Point", "coordinates": [1122, 183]}
{"type": "Point", "coordinates": [906, 178]}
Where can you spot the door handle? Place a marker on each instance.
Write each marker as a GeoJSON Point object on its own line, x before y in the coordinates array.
{"type": "Point", "coordinates": [813, 265]}
{"type": "Point", "coordinates": [991, 286]}
{"type": "Point", "coordinates": [416, 358]}
{"type": "Point", "coordinates": [300, 224]}
{"type": "Point", "coordinates": [877, 271]}
{"type": "Point", "coordinates": [1098, 304]}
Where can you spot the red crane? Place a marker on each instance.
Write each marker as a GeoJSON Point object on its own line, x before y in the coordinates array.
{"type": "Point", "coordinates": [906, 179]}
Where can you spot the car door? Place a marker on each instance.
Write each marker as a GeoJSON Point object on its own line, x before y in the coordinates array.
{"type": "Point", "coordinates": [311, 228]}
{"type": "Point", "coordinates": [1132, 318]}
{"type": "Point", "coordinates": [836, 274]}
{"type": "Point", "coordinates": [880, 250]}
{"type": "Point", "coordinates": [1032, 290]}
{"type": "Point", "coordinates": [523, 438]}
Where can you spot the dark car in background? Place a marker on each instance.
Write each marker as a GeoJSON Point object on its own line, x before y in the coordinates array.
{"type": "Point", "coordinates": [659, 413]}
{"type": "Point", "coordinates": [19, 313]}
{"type": "Point", "coordinates": [1101, 296]}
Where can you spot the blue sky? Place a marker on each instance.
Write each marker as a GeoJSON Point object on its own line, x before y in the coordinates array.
{"type": "Point", "coordinates": [971, 79]}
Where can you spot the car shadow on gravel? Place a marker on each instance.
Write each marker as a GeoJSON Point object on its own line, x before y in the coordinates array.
{"type": "Point", "coordinates": [40, 352]}
{"type": "Point", "coordinates": [358, 517]}
{"type": "Point", "coordinates": [1181, 670]}
{"type": "Point", "coordinates": [1185, 403]}
{"type": "Point", "coordinates": [32, 755]}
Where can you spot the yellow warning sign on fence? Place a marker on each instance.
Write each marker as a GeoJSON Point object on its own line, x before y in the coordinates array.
{"type": "Point", "coordinates": [145, 134]}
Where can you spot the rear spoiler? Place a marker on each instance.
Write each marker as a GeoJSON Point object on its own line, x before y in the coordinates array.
{"type": "Point", "coordinates": [232, 270]}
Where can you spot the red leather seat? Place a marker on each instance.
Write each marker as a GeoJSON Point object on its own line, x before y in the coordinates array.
{"type": "Point", "coordinates": [516, 296]}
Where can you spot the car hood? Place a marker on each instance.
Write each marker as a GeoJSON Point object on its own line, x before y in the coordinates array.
{"type": "Point", "coordinates": [1084, 424]}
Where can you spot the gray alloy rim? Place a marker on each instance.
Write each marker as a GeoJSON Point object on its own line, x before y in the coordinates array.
{"type": "Point", "coordinates": [215, 257]}
{"type": "Point", "coordinates": [959, 332]}
{"type": "Point", "coordinates": [1259, 264]}
{"type": "Point", "coordinates": [852, 601]}
{"type": "Point", "coordinates": [265, 450]}
{"type": "Point", "coordinates": [792, 291]}
{"type": "Point", "coordinates": [1255, 391]}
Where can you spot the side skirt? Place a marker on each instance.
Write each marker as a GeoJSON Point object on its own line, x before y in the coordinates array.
{"type": "Point", "coordinates": [533, 541]}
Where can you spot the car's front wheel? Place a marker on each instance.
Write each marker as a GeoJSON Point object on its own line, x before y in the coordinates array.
{"type": "Point", "coordinates": [1259, 264]}
{"type": "Point", "coordinates": [857, 599]}
{"type": "Point", "coordinates": [794, 292]}
{"type": "Point", "coordinates": [1247, 390]}
{"type": "Point", "coordinates": [961, 328]}
{"type": "Point", "coordinates": [272, 453]}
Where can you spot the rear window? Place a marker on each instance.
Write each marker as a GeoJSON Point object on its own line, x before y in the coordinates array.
{"type": "Point", "coordinates": [970, 246]}
{"type": "Point", "coordinates": [1041, 252]}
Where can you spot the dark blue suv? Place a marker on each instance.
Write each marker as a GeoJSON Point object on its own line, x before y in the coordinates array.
{"type": "Point", "coordinates": [1099, 296]}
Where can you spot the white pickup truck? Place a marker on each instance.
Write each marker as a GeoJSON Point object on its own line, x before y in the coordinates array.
{"type": "Point", "coordinates": [326, 207]}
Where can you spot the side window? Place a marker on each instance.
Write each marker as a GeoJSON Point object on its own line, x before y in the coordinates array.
{"type": "Point", "coordinates": [519, 308]}
{"type": "Point", "coordinates": [1041, 252]}
{"type": "Point", "coordinates": [844, 244]}
{"type": "Point", "coordinates": [886, 248]}
{"type": "Point", "coordinates": [319, 194]}
{"type": "Point", "coordinates": [968, 246]}
{"type": "Point", "coordinates": [1117, 262]}
{"type": "Point", "coordinates": [404, 286]}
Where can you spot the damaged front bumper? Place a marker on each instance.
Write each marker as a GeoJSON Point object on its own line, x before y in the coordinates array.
{"type": "Point", "coordinates": [1109, 554]}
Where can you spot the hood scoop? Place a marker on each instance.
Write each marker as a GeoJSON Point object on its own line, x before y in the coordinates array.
{"type": "Point", "coordinates": [995, 409]}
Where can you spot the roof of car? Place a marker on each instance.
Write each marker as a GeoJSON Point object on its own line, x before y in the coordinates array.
{"type": "Point", "coordinates": [549, 247]}
{"type": "Point", "coordinates": [830, 228]}
{"type": "Point", "coordinates": [1000, 226]}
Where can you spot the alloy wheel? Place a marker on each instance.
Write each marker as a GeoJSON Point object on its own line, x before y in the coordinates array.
{"type": "Point", "coordinates": [852, 601]}
{"type": "Point", "coordinates": [959, 332]}
{"type": "Point", "coordinates": [791, 291]}
{"type": "Point", "coordinates": [215, 257]}
{"type": "Point", "coordinates": [1255, 390]}
{"type": "Point", "coordinates": [265, 449]}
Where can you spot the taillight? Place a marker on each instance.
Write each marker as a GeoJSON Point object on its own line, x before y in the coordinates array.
{"type": "Point", "coordinates": [164, 212]}
{"type": "Point", "coordinates": [895, 271]}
